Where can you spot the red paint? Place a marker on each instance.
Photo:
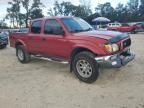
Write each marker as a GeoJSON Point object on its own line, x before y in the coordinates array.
{"type": "Point", "coordinates": [62, 46]}
{"type": "Point", "coordinates": [123, 28]}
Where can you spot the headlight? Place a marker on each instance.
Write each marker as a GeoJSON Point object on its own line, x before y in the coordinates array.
{"type": "Point", "coordinates": [111, 48]}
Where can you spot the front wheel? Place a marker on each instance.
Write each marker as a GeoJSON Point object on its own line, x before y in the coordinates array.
{"type": "Point", "coordinates": [85, 67]}
{"type": "Point", "coordinates": [22, 55]}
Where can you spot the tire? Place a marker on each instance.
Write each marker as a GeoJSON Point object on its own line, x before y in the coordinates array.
{"type": "Point", "coordinates": [133, 32]}
{"type": "Point", "coordinates": [22, 55]}
{"type": "Point", "coordinates": [85, 67]}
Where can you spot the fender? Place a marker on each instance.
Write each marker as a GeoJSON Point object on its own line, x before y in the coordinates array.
{"type": "Point", "coordinates": [96, 49]}
{"type": "Point", "coordinates": [21, 42]}
{"type": "Point", "coordinates": [82, 47]}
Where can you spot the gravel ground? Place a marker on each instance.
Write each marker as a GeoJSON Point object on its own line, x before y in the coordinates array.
{"type": "Point", "coordinates": [44, 84]}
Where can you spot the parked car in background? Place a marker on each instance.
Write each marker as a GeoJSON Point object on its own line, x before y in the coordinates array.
{"type": "Point", "coordinates": [3, 39]}
{"type": "Point", "coordinates": [124, 28]}
{"type": "Point", "coordinates": [114, 25]}
{"type": "Point", "coordinates": [74, 40]}
{"type": "Point", "coordinates": [139, 27]}
{"type": "Point", "coordinates": [23, 30]}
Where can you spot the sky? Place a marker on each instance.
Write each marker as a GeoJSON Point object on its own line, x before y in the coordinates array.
{"type": "Point", "coordinates": [49, 3]}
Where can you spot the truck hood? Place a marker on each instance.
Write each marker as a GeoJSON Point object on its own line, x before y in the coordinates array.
{"type": "Point", "coordinates": [112, 36]}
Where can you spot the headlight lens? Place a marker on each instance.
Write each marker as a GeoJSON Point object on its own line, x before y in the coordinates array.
{"type": "Point", "coordinates": [111, 48]}
{"type": "Point", "coordinates": [115, 47]}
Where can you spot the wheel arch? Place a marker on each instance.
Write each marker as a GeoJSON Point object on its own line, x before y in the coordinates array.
{"type": "Point", "coordinates": [75, 52]}
{"type": "Point", "coordinates": [20, 42]}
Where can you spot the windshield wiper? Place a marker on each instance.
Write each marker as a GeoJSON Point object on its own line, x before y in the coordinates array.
{"type": "Point", "coordinates": [76, 31]}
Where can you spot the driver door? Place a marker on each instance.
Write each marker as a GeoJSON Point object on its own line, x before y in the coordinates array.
{"type": "Point", "coordinates": [56, 43]}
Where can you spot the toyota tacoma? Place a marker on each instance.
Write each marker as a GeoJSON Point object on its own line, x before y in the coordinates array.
{"type": "Point", "coordinates": [72, 39]}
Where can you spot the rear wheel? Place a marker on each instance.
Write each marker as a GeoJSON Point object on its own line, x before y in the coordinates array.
{"type": "Point", "coordinates": [85, 67]}
{"type": "Point", "coordinates": [22, 55]}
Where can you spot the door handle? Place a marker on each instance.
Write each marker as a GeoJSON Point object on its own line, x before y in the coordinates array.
{"type": "Point", "coordinates": [43, 39]}
{"type": "Point", "coordinates": [30, 37]}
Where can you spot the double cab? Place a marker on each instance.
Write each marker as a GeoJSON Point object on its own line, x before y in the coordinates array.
{"type": "Point", "coordinates": [72, 39]}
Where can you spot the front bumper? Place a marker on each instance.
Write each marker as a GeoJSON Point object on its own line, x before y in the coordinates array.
{"type": "Point", "coordinates": [115, 61]}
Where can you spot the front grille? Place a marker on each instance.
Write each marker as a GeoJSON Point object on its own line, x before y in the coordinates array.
{"type": "Point", "coordinates": [126, 43]}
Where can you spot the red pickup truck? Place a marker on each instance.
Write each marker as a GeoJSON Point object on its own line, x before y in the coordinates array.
{"type": "Point", "coordinates": [74, 40]}
{"type": "Point", "coordinates": [124, 28]}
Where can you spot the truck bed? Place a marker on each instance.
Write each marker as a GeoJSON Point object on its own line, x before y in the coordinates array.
{"type": "Point", "coordinates": [14, 37]}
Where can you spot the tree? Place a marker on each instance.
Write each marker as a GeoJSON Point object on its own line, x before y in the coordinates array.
{"type": "Point", "coordinates": [62, 9]}
{"type": "Point", "coordinates": [79, 11]}
{"type": "Point", "coordinates": [128, 13]}
{"type": "Point", "coordinates": [10, 16]}
{"type": "Point", "coordinates": [121, 13]}
{"type": "Point", "coordinates": [68, 9]}
{"type": "Point", "coordinates": [91, 17]}
{"type": "Point", "coordinates": [13, 11]}
{"type": "Point", "coordinates": [105, 9]}
{"type": "Point", "coordinates": [141, 9]}
{"type": "Point", "coordinates": [36, 12]}
{"type": "Point", "coordinates": [21, 19]}
{"type": "Point", "coordinates": [3, 25]}
{"type": "Point", "coordinates": [26, 5]}
{"type": "Point", "coordinates": [33, 11]}
{"type": "Point", "coordinates": [86, 5]}
{"type": "Point", "coordinates": [133, 10]}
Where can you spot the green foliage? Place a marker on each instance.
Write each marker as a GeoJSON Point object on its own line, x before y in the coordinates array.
{"type": "Point", "coordinates": [3, 25]}
{"type": "Point", "coordinates": [131, 12]}
{"type": "Point", "coordinates": [13, 12]}
{"type": "Point", "coordinates": [141, 9]}
{"type": "Point", "coordinates": [68, 9]}
{"type": "Point", "coordinates": [36, 11]}
{"type": "Point", "coordinates": [19, 19]}
{"type": "Point", "coordinates": [61, 9]}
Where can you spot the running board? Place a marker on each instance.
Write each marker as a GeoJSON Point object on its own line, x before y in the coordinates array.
{"type": "Point", "coordinates": [51, 59]}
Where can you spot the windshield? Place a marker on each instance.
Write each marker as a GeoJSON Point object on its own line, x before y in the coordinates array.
{"type": "Point", "coordinates": [75, 25]}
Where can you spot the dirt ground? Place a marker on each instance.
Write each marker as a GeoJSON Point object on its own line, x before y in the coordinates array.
{"type": "Point", "coordinates": [44, 84]}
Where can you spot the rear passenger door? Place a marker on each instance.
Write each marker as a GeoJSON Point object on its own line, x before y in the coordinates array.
{"type": "Point", "coordinates": [34, 38]}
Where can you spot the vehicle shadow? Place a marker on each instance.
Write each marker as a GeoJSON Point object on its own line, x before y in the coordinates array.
{"type": "Point", "coordinates": [106, 75]}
